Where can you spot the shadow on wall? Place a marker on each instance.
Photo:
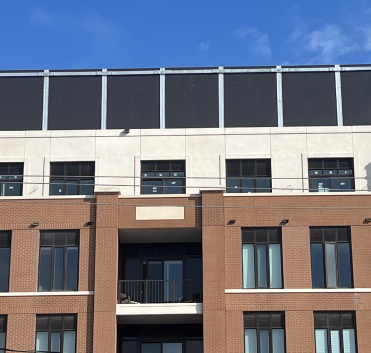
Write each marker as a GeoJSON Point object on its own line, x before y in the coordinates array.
{"type": "Point", "coordinates": [368, 177]}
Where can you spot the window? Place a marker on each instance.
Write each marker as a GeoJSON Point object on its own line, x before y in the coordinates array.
{"type": "Point", "coordinates": [56, 333]}
{"type": "Point", "coordinates": [163, 177]}
{"type": "Point", "coordinates": [261, 258]}
{"type": "Point", "coordinates": [59, 261]}
{"type": "Point", "coordinates": [331, 174]}
{"type": "Point", "coordinates": [4, 261]}
{"type": "Point", "coordinates": [72, 178]}
{"type": "Point", "coordinates": [2, 333]}
{"type": "Point", "coordinates": [335, 332]}
{"type": "Point", "coordinates": [249, 175]}
{"type": "Point", "coordinates": [264, 332]}
{"type": "Point", "coordinates": [331, 257]}
{"type": "Point", "coordinates": [11, 179]}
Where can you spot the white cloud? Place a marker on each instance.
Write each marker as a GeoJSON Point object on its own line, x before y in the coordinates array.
{"type": "Point", "coordinates": [202, 47]}
{"type": "Point", "coordinates": [258, 42]}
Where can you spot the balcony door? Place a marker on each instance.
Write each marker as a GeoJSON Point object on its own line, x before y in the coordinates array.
{"type": "Point", "coordinates": [161, 348]}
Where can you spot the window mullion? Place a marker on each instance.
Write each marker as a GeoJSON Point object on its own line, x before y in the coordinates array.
{"type": "Point", "coordinates": [256, 264]}
{"type": "Point", "coordinates": [52, 264]}
{"type": "Point", "coordinates": [267, 263]}
{"type": "Point", "coordinates": [258, 339]}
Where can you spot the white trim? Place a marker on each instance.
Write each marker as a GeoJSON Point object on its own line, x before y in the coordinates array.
{"type": "Point", "coordinates": [221, 97]}
{"type": "Point", "coordinates": [279, 96]}
{"type": "Point", "coordinates": [159, 309]}
{"type": "Point", "coordinates": [45, 294]}
{"type": "Point", "coordinates": [298, 290]}
{"type": "Point", "coordinates": [339, 100]}
{"type": "Point", "coordinates": [103, 124]}
{"type": "Point", "coordinates": [162, 99]}
{"type": "Point", "coordinates": [45, 101]}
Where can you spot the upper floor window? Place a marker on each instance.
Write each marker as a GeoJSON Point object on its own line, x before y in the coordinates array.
{"type": "Point", "coordinates": [335, 332]}
{"type": "Point", "coordinates": [2, 333]}
{"type": "Point", "coordinates": [163, 177]}
{"type": "Point", "coordinates": [59, 261]}
{"type": "Point", "coordinates": [56, 333]}
{"type": "Point", "coordinates": [331, 257]}
{"type": "Point", "coordinates": [331, 174]}
{"type": "Point", "coordinates": [264, 332]}
{"type": "Point", "coordinates": [261, 258]}
{"type": "Point", "coordinates": [11, 179]}
{"type": "Point", "coordinates": [249, 175]}
{"type": "Point", "coordinates": [72, 178]}
{"type": "Point", "coordinates": [5, 238]}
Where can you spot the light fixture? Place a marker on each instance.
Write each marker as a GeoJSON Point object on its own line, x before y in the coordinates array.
{"type": "Point", "coordinates": [285, 221]}
{"type": "Point", "coordinates": [126, 130]}
{"type": "Point", "coordinates": [232, 221]}
{"type": "Point", "coordinates": [90, 223]}
{"type": "Point", "coordinates": [367, 220]}
{"type": "Point", "coordinates": [34, 224]}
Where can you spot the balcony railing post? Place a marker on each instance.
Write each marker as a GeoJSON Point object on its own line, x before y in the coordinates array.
{"type": "Point", "coordinates": [145, 291]}
{"type": "Point", "coordinates": [173, 282]}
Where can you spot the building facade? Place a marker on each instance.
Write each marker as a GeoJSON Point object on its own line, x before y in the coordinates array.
{"type": "Point", "coordinates": [186, 210]}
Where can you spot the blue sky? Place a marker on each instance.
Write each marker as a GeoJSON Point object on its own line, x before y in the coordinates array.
{"type": "Point", "coordinates": [67, 34]}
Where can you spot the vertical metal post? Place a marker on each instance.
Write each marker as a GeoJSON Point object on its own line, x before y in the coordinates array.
{"type": "Point", "coordinates": [162, 98]}
{"type": "Point", "coordinates": [339, 100]}
{"type": "Point", "coordinates": [45, 100]}
{"type": "Point", "coordinates": [279, 96]}
{"type": "Point", "coordinates": [145, 291]}
{"type": "Point", "coordinates": [103, 123]}
{"type": "Point", "coordinates": [221, 97]}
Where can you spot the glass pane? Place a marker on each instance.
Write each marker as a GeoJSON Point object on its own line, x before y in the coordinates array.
{"type": "Point", "coordinates": [233, 185]}
{"type": "Point", "coordinates": [72, 169]}
{"type": "Point", "coordinates": [342, 184]}
{"type": "Point", "coordinates": [263, 185]}
{"type": "Point", "coordinates": [248, 185]}
{"type": "Point", "coordinates": [278, 340]}
{"type": "Point", "coordinates": [194, 275]}
{"type": "Point", "coordinates": [248, 266]}
{"type": "Point", "coordinates": [69, 341]}
{"type": "Point", "coordinates": [250, 341]}
{"type": "Point", "coordinates": [131, 269]}
{"type": "Point", "coordinates": [13, 189]}
{"type": "Point", "coordinates": [172, 348]}
{"type": "Point", "coordinates": [262, 266]}
{"type": "Point", "coordinates": [177, 166]}
{"type": "Point", "coordinates": [320, 185]}
{"type": "Point", "coordinates": [55, 342]}
{"type": "Point", "coordinates": [148, 166]}
{"type": "Point", "coordinates": [194, 346]}
{"type": "Point", "coordinates": [56, 187]}
{"type": "Point", "coordinates": [42, 341]}
{"type": "Point", "coordinates": [321, 341]}
{"type": "Point", "coordinates": [87, 187]}
{"type": "Point", "coordinates": [173, 291]}
{"type": "Point", "coordinates": [71, 188]}
{"type": "Point", "coordinates": [316, 253]}
{"type": "Point", "coordinates": [72, 268]}
{"type": "Point", "coordinates": [163, 166]}
{"type": "Point", "coordinates": [45, 268]}
{"type": "Point", "coordinates": [58, 268]}
{"type": "Point", "coordinates": [129, 347]}
{"type": "Point", "coordinates": [151, 348]}
{"type": "Point", "coordinates": [233, 168]}
{"type": "Point", "coordinates": [87, 169]}
{"type": "Point", "coordinates": [163, 174]}
{"type": "Point", "coordinates": [4, 269]}
{"type": "Point", "coordinates": [248, 168]}
{"type": "Point", "coordinates": [57, 169]}
{"type": "Point", "coordinates": [264, 341]}
{"type": "Point", "coordinates": [345, 272]}
{"type": "Point", "coordinates": [155, 287]}
{"type": "Point", "coordinates": [2, 340]}
{"type": "Point", "coordinates": [330, 265]}
{"type": "Point", "coordinates": [349, 341]}
{"type": "Point", "coordinates": [151, 186]}
{"type": "Point", "coordinates": [177, 174]}
{"type": "Point", "coordinates": [275, 274]}
{"type": "Point", "coordinates": [174, 186]}
{"type": "Point", "coordinates": [335, 341]}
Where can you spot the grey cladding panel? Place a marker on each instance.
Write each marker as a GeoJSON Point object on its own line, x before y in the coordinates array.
{"type": "Point", "coordinates": [250, 100]}
{"type": "Point", "coordinates": [191, 101]}
{"type": "Point", "coordinates": [356, 94]}
{"type": "Point", "coordinates": [75, 103]}
{"type": "Point", "coordinates": [309, 99]}
{"type": "Point", "coordinates": [21, 103]}
{"type": "Point", "coordinates": [133, 102]}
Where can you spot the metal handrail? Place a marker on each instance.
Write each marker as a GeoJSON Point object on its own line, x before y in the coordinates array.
{"type": "Point", "coordinates": [160, 291]}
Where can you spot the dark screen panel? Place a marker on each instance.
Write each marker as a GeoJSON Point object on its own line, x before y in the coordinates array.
{"type": "Point", "coordinates": [356, 94]}
{"type": "Point", "coordinates": [21, 103]}
{"type": "Point", "coordinates": [133, 102]}
{"type": "Point", "coordinates": [309, 99]}
{"type": "Point", "coordinates": [192, 101]}
{"type": "Point", "coordinates": [250, 100]}
{"type": "Point", "coordinates": [75, 103]}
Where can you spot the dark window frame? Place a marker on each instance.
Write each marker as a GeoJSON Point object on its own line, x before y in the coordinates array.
{"type": "Point", "coordinates": [247, 240]}
{"type": "Point", "coordinates": [335, 241]}
{"type": "Point", "coordinates": [64, 246]}
{"type": "Point", "coordinates": [18, 177]}
{"type": "Point", "coordinates": [270, 328]}
{"type": "Point", "coordinates": [163, 178]}
{"type": "Point", "coordinates": [3, 329]}
{"type": "Point", "coordinates": [331, 177]}
{"type": "Point", "coordinates": [64, 177]}
{"type": "Point", "coordinates": [340, 327]}
{"type": "Point", "coordinates": [254, 177]}
{"type": "Point", "coordinates": [52, 330]}
{"type": "Point", "coordinates": [6, 242]}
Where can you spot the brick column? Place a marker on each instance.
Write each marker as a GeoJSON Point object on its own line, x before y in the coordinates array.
{"type": "Point", "coordinates": [299, 332]}
{"type": "Point", "coordinates": [106, 273]}
{"type": "Point", "coordinates": [213, 255]}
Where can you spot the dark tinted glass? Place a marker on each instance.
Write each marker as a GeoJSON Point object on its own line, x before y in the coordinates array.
{"type": "Point", "coordinates": [129, 347]}
{"type": "Point", "coordinates": [57, 169]}
{"type": "Point", "coordinates": [233, 168]}
{"type": "Point", "coordinates": [194, 346]}
{"type": "Point", "coordinates": [72, 169]}
{"type": "Point", "coordinates": [318, 280]}
{"type": "Point", "coordinates": [72, 268]}
{"type": "Point", "coordinates": [132, 269]}
{"type": "Point", "coordinates": [4, 269]}
{"type": "Point", "coordinates": [58, 268]}
{"type": "Point", "coordinates": [45, 265]}
{"type": "Point", "coordinates": [344, 263]}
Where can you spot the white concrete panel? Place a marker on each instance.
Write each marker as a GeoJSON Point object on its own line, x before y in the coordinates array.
{"type": "Point", "coordinates": [74, 146]}
{"type": "Point", "coordinates": [159, 145]}
{"type": "Point", "coordinates": [159, 309]}
{"type": "Point", "coordinates": [362, 160]}
{"type": "Point", "coordinates": [159, 212]}
{"type": "Point", "coordinates": [247, 144]}
{"type": "Point", "coordinates": [11, 147]}
{"type": "Point", "coordinates": [329, 144]}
